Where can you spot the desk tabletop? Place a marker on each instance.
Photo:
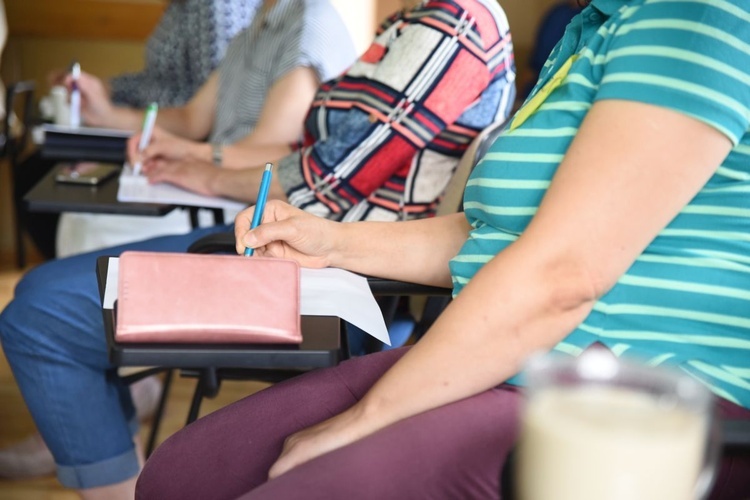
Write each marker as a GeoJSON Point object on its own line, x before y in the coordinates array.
{"type": "Point", "coordinates": [78, 154]}
{"type": "Point", "coordinates": [48, 195]}
{"type": "Point", "coordinates": [322, 346]}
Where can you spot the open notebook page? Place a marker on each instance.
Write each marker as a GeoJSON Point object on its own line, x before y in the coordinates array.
{"type": "Point", "coordinates": [135, 188]}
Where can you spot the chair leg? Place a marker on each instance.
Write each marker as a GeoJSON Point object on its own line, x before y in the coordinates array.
{"type": "Point", "coordinates": [507, 475]}
{"type": "Point", "coordinates": [20, 245]}
{"type": "Point", "coordinates": [207, 386]}
{"type": "Point", "coordinates": [193, 211]}
{"type": "Point", "coordinates": [156, 422]}
{"type": "Point", "coordinates": [195, 404]}
{"type": "Point", "coordinates": [218, 216]}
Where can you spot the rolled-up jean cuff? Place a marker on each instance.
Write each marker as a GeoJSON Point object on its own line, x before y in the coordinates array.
{"type": "Point", "coordinates": [107, 472]}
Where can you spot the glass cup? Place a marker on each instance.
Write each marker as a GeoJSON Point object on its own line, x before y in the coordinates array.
{"type": "Point", "coordinates": [60, 105]}
{"type": "Point", "coordinates": [596, 427]}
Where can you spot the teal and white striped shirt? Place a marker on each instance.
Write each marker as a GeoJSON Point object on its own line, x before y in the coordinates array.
{"type": "Point", "coordinates": [686, 300]}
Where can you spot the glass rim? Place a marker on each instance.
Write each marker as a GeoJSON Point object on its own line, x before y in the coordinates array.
{"type": "Point", "coordinates": [603, 368]}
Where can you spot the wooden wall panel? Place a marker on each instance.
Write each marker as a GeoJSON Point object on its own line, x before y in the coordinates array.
{"type": "Point", "coordinates": [84, 19]}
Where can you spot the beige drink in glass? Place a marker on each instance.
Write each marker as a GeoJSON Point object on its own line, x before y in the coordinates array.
{"type": "Point", "coordinates": [612, 431]}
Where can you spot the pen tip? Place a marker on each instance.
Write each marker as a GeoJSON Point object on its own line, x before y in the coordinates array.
{"type": "Point", "coordinates": [269, 166]}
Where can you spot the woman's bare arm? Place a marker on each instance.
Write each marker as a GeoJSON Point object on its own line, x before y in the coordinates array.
{"type": "Point", "coordinates": [628, 173]}
{"type": "Point", "coordinates": [414, 251]}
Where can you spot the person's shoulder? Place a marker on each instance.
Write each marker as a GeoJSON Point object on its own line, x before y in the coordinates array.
{"type": "Point", "coordinates": [458, 9]}
{"type": "Point", "coordinates": [724, 22]}
{"type": "Point", "coordinates": [321, 21]}
{"type": "Point", "coordinates": [321, 10]}
{"type": "Point", "coordinates": [324, 38]}
{"type": "Point", "coordinates": [700, 11]}
{"type": "Point", "coordinates": [487, 17]}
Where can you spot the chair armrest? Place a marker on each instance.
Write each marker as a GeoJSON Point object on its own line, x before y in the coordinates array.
{"type": "Point", "coordinates": [381, 286]}
{"type": "Point", "coordinates": [213, 243]}
{"type": "Point", "coordinates": [735, 434]}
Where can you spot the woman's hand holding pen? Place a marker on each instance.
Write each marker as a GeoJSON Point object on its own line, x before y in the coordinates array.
{"type": "Point", "coordinates": [163, 146]}
{"type": "Point", "coordinates": [96, 108]}
{"type": "Point", "coordinates": [288, 232]}
{"type": "Point", "coordinates": [198, 177]}
{"type": "Point", "coordinates": [58, 76]}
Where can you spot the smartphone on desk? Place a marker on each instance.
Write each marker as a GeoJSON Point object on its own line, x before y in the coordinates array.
{"type": "Point", "coordinates": [87, 173]}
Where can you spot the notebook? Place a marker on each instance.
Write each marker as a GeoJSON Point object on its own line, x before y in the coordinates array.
{"type": "Point", "coordinates": [208, 299]}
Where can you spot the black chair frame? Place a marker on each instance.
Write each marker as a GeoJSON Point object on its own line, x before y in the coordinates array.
{"type": "Point", "coordinates": [19, 101]}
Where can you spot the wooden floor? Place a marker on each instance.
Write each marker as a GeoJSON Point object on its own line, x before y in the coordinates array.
{"type": "Point", "coordinates": [16, 423]}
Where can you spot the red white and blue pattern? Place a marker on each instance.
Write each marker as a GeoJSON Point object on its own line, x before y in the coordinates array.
{"type": "Point", "coordinates": [382, 141]}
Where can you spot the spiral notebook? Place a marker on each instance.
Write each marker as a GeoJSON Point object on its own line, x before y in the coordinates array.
{"type": "Point", "coordinates": [211, 299]}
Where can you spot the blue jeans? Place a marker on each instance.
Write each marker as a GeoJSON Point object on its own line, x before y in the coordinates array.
{"type": "Point", "coordinates": [53, 336]}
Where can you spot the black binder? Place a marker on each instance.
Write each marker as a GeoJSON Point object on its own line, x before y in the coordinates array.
{"type": "Point", "coordinates": [84, 143]}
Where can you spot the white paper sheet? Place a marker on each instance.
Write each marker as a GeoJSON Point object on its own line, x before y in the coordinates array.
{"type": "Point", "coordinates": [335, 292]}
{"type": "Point", "coordinates": [113, 278]}
{"type": "Point", "coordinates": [323, 292]}
{"type": "Point", "coordinates": [135, 188]}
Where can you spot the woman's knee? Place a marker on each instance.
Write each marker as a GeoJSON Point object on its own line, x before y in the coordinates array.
{"type": "Point", "coordinates": [12, 319]}
{"type": "Point", "coordinates": [52, 304]}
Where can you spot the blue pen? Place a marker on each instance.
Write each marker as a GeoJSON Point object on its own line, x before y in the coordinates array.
{"type": "Point", "coordinates": [260, 204]}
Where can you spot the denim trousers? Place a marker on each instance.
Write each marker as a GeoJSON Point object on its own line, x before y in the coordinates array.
{"type": "Point", "coordinates": [52, 333]}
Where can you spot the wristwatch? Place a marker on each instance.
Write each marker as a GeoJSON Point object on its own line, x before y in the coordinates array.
{"type": "Point", "coordinates": [216, 153]}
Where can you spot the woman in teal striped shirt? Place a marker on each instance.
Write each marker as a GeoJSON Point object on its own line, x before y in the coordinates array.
{"type": "Point", "coordinates": [614, 210]}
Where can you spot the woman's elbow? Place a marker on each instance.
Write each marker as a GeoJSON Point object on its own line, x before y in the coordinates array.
{"type": "Point", "coordinates": [571, 286]}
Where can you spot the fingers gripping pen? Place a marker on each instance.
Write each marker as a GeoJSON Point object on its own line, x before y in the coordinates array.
{"type": "Point", "coordinates": [260, 204]}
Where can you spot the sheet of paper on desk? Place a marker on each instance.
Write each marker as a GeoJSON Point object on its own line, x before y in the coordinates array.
{"type": "Point", "coordinates": [135, 188]}
{"type": "Point", "coordinates": [110, 288]}
{"type": "Point", "coordinates": [323, 292]}
{"type": "Point", "coordinates": [335, 292]}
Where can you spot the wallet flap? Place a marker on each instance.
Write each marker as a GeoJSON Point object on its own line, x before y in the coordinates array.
{"type": "Point", "coordinates": [191, 298]}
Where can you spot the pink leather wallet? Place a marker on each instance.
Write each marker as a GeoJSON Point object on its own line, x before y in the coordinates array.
{"type": "Point", "coordinates": [189, 298]}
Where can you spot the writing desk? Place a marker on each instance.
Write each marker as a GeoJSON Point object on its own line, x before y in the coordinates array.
{"type": "Point", "coordinates": [322, 346]}
{"type": "Point", "coordinates": [82, 154]}
{"type": "Point", "coordinates": [48, 195]}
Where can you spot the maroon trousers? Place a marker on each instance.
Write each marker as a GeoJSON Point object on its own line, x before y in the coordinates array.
{"type": "Point", "coordinates": [456, 451]}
